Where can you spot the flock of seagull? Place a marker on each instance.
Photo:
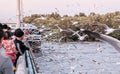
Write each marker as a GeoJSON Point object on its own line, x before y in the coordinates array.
{"type": "Point", "coordinates": [67, 33]}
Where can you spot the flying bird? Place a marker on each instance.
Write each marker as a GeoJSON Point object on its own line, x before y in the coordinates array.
{"type": "Point", "coordinates": [65, 33]}
{"type": "Point", "coordinates": [108, 30]}
{"type": "Point", "coordinates": [80, 37]}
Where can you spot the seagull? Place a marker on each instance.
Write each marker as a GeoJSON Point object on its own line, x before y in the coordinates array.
{"type": "Point", "coordinates": [57, 9]}
{"type": "Point", "coordinates": [50, 34]}
{"type": "Point", "coordinates": [79, 36]}
{"type": "Point", "coordinates": [108, 30]}
{"type": "Point", "coordinates": [99, 48]}
{"type": "Point", "coordinates": [43, 18]}
{"type": "Point", "coordinates": [43, 28]}
{"type": "Point", "coordinates": [66, 33]}
{"type": "Point", "coordinates": [61, 38]}
{"type": "Point", "coordinates": [75, 23]}
{"type": "Point", "coordinates": [82, 37]}
{"type": "Point", "coordinates": [60, 29]}
{"type": "Point", "coordinates": [113, 41]}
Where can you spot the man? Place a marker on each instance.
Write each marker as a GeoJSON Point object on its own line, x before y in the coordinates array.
{"type": "Point", "coordinates": [20, 46]}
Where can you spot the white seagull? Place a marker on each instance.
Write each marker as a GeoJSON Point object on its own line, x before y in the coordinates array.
{"type": "Point", "coordinates": [60, 29]}
{"type": "Point", "coordinates": [79, 36]}
{"type": "Point", "coordinates": [108, 30]}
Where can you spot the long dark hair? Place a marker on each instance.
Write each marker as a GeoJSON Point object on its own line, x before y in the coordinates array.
{"type": "Point", "coordinates": [7, 35]}
{"type": "Point", "coordinates": [1, 34]}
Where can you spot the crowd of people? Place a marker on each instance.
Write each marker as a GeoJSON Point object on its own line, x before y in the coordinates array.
{"type": "Point", "coordinates": [11, 47]}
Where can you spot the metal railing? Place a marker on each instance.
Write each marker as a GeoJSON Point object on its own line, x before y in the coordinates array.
{"type": "Point", "coordinates": [31, 63]}
{"type": "Point", "coordinates": [34, 38]}
{"type": "Point", "coordinates": [27, 64]}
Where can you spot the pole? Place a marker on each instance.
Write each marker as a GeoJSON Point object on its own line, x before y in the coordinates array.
{"type": "Point", "coordinates": [18, 14]}
{"type": "Point", "coordinates": [21, 12]}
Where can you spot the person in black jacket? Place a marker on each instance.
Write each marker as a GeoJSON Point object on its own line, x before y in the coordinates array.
{"type": "Point", "coordinates": [20, 47]}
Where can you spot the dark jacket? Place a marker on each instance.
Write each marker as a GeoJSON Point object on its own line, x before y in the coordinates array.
{"type": "Point", "coordinates": [21, 48]}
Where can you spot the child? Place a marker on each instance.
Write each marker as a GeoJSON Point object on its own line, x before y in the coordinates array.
{"type": "Point", "coordinates": [21, 48]}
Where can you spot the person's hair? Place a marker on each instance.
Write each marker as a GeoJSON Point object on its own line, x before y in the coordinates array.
{"type": "Point", "coordinates": [1, 25]}
{"type": "Point", "coordinates": [18, 32]}
{"type": "Point", "coordinates": [7, 35]}
{"type": "Point", "coordinates": [9, 28]}
{"type": "Point", "coordinates": [5, 26]}
{"type": "Point", "coordinates": [1, 34]}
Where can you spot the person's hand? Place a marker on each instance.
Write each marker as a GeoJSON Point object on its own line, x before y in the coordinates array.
{"type": "Point", "coordinates": [31, 49]}
{"type": "Point", "coordinates": [16, 52]}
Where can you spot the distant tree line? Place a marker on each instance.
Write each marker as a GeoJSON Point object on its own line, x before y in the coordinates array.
{"type": "Point", "coordinates": [92, 21]}
{"type": "Point", "coordinates": [110, 19]}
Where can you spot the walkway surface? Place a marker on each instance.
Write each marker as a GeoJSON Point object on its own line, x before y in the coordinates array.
{"type": "Point", "coordinates": [79, 58]}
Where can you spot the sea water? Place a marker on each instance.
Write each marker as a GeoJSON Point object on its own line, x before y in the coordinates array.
{"type": "Point", "coordinates": [79, 58]}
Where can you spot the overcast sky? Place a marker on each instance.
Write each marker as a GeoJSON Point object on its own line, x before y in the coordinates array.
{"type": "Point", "coordinates": [70, 7]}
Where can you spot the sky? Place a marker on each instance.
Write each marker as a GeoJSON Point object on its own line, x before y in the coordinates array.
{"type": "Point", "coordinates": [70, 7]}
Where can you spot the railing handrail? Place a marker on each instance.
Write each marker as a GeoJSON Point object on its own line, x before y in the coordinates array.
{"type": "Point", "coordinates": [31, 63]}
{"type": "Point", "coordinates": [34, 38]}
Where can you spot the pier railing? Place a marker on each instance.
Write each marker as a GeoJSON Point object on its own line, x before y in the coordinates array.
{"type": "Point", "coordinates": [31, 63]}
{"type": "Point", "coordinates": [34, 38]}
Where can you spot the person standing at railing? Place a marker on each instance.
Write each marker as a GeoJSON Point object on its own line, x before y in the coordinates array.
{"type": "Point", "coordinates": [9, 46]}
{"type": "Point", "coordinates": [20, 46]}
{"type": "Point", "coordinates": [5, 62]}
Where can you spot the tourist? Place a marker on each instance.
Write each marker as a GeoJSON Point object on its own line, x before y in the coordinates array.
{"type": "Point", "coordinates": [5, 62]}
{"type": "Point", "coordinates": [20, 46]}
{"type": "Point", "coordinates": [9, 46]}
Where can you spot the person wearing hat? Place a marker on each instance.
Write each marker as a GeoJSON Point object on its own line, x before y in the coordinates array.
{"type": "Point", "coordinates": [20, 46]}
{"type": "Point", "coordinates": [6, 66]}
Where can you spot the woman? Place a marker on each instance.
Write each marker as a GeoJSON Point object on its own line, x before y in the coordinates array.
{"type": "Point", "coordinates": [5, 62]}
{"type": "Point", "coordinates": [9, 46]}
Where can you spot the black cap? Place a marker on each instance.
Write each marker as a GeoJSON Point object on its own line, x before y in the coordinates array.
{"type": "Point", "coordinates": [18, 33]}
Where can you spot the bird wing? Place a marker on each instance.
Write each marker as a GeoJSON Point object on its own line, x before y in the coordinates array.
{"type": "Point", "coordinates": [105, 26]}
